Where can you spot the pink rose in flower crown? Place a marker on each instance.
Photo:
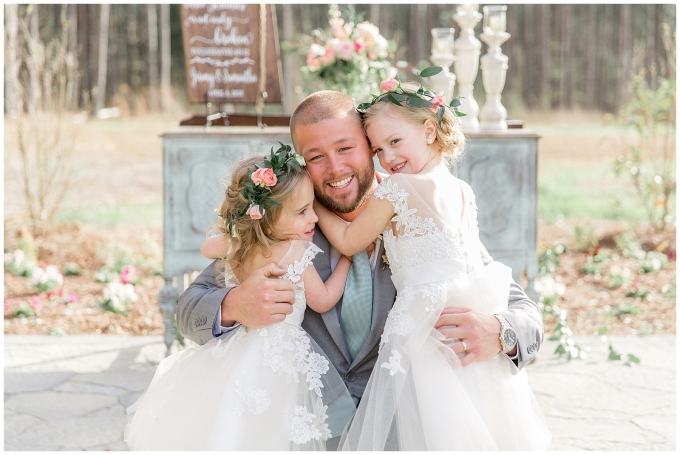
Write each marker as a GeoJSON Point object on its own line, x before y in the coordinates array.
{"type": "Point", "coordinates": [254, 212]}
{"type": "Point", "coordinates": [345, 49]}
{"type": "Point", "coordinates": [437, 101]}
{"type": "Point", "coordinates": [389, 85]}
{"type": "Point", "coordinates": [264, 177]}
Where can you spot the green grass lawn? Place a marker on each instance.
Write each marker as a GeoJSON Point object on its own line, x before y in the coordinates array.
{"type": "Point", "coordinates": [585, 191]}
{"type": "Point", "coordinates": [111, 216]}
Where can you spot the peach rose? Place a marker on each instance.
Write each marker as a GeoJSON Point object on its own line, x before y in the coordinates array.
{"type": "Point", "coordinates": [254, 212]}
{"type": "Point", "coordinates": [437, 101]}
{"type": "Point", "coordinates": [264, 177]}
{"type": "Point", "coordinates": [328, 58]}
{"type": "Point", "coordinates": [360, 45]}
{"type": "Point", "coordinates": [389, 85]}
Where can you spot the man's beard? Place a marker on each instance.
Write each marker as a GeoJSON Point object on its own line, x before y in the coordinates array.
{"type": "Point", "coordinates": [364, 182]}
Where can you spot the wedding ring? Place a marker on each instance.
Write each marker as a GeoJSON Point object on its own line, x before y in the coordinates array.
{"type": "Point", "coordinates": [464, 345]}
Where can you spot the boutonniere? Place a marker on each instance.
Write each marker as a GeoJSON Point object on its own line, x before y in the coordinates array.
{"type": "Point", "coordinates": [385, 261]}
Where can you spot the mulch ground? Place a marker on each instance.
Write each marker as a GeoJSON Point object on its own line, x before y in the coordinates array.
{"type": "Point", "coordinates": [588, 301]}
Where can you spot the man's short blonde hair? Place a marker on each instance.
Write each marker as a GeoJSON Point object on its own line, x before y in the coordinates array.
{"type": "Point", "coordinates": [321, 106]}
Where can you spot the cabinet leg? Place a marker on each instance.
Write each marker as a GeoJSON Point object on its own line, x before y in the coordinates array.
{"type": "Point", "coordinates": [167, 298]}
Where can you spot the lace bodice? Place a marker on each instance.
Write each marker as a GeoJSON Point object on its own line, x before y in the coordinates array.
{"type": "Point", "coordinates": [419, 236]}
{"type": "Point", "coordinates": [299, 256]}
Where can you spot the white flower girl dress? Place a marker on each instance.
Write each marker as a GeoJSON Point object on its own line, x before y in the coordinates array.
{"type": "Point", "coordinates": [418, 392]}
{"type": "Point", "coordinates": [258, 389]}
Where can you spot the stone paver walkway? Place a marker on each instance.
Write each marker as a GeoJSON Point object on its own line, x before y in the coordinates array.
{"type": "Point", "coordinates": [70, 392]}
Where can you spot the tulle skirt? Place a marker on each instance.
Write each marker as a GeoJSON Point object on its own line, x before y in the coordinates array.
{"type": "Point", "coordinates": [419, 397]}
{"type": "Point", "coordinates": [266, 389]}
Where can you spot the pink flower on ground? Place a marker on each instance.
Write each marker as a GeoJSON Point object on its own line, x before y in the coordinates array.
{"type": "Point", "coordinates": [254, 212]}
{"type": "Point", "coordinates": [128, 274]}
{"type": "Point", "coordinates": [11, 304]}
{"type": "Point", "coordinates": [345, 49]}
{"type": "Point", "coordinates": [437, 101]}
{"type": "Point", "coordinates": [36, 303]}
{"type": "Point", "coordinates": [360, 45]}
{"type": "Point", "coordinates": [389, 85]}
{"type": "Point", "coordinates": [72, 298]}
{"type": "Point", "coordinates": [264, 177]}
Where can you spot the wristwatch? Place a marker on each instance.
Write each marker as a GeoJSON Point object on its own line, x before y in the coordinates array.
{"type": "Point", "coordinates": [507, 336]}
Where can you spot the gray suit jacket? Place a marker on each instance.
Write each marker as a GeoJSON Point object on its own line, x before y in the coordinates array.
{"type": "Point", "coordinates": [199, 308]}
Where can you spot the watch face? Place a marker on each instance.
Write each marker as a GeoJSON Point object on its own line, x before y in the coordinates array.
{"type": "Point", "coordinates": [510, 337]}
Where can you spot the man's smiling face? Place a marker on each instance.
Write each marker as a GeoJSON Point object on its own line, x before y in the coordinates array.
{"type": "Point", "coordinates": [339, 161]}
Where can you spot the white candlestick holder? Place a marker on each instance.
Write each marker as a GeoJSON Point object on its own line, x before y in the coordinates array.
{"type": "Point", "coordinates": [493, 115]}
{"type": "Point", "coordinates": [467, 65]}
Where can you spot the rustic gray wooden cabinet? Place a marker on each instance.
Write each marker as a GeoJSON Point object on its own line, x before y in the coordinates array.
{"type": "Point", "coordinates": [500, 167]}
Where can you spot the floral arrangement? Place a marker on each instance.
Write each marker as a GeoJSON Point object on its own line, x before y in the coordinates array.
{"type": "Point", "coordinates": [351, 56]}
{"type": "Point", "coordinates": [118, 298]}
{"type": "Point", "coordinates": [46, 278]}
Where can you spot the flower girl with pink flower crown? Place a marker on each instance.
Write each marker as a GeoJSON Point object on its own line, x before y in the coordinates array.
{"type": "Point", "coordinates": [420, 395]}
{"type": "Point", "coordinates": [260, 388]}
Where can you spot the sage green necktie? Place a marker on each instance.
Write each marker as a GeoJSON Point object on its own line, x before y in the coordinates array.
{"type": "Point", "coordinates": [357, 303]}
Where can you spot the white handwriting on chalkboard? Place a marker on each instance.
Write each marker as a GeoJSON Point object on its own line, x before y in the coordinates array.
{"type": "Point", "coordinates": [220, 39]}
{"type": "Point", "coordinates": [224, 63]}
{"type": "Point", "coordinates": [220, 51]}
{"type": "Point", "coordinates": [221, 77]}
{"type": "Point", "coordinates": [222, 19]}
{"type": "Point", "coordinates": [216, 7]}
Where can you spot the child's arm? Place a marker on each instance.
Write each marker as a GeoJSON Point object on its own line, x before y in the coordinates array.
{"type": "Point", "coordinates": [215, 247]}
{"type": "Point", "coordinates": [352, 238]}
{"type": "Point", "coordinates": [321, 296]}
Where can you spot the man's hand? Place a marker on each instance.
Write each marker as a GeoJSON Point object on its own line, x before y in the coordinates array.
{"type": "Point", "coordinates": [479, 331]}
{"type": "Point", "coordinates": [261, 300]}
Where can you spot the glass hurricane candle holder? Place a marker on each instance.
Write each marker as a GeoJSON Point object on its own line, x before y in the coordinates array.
{"type": "Point", "coordinates": [494, 19]}
{"type": "Point", "coordinates": [442, 41]}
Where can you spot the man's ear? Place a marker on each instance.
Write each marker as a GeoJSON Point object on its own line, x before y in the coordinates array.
{"type": "Point", "coordinates": [430, 128]}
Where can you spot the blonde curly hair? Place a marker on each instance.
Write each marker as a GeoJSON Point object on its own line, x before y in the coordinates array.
{"type": "Point", "coordinates": [252, 236]}
{"type": "Point", "coordinates": [450, 139]}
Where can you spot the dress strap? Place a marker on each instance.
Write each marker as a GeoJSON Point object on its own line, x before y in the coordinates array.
{"type": "Point", "coordinates": [300, 255]}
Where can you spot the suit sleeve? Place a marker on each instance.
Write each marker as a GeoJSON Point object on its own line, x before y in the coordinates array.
{"type": "Point", "coordinates": [199, 307]}
{"type": "Point", "coordinates": [525, 318]}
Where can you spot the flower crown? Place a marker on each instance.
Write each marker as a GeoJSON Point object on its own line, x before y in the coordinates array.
{"type": "Point", "coordinates": [256, 188]}
{"type": "Point", "coordinates": [395, 94]}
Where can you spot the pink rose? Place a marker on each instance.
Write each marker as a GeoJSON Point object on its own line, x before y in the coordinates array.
{"type": "Point", "coordinates": [254, 212]}
{"type": "Point", "coordinates": [359, 45]}
{"type": "Point", "coordinates": [264, 177]}
{"type": "Point", "coordinates": [389, 85]}
{"type": "Point", "coordinates": [437, 101]}
{"type": "Point", "coordinates": [328, 58]}
{"type": "Point", "coordinates": [345, 49]}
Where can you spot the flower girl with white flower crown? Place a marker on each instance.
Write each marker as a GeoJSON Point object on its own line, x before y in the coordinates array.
{"type": "Point", "coordinates": [419, 395]}
{"type": "Point", "coordinates": [268, 388]}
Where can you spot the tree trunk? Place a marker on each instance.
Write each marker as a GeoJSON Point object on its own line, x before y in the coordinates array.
{"type": "Point", "coordinates": [565, 60]}
{"type": "Point", "coordinates": [13, 95]}
{"type": "Point", "coordinates": [543, 19]}
{"type": "Point", "coordinates": [153, 56]}
{"type": "Point", "coordinates": [624, 55]}
{"type": "Point", "coordinates": [73, 81]}
{"type": "Point", "coordinates": [33, 76]}
{"type": "Point", "coordinates": [591, 48]}
{"type": "Point", "coordinates": [374, 14]}
{"type": "Point", "coordinates": [287, 34]}
{"type": "Point", "coordinates": [650, 50]}
{"type": "Point", "coordinates": [165, 57]}
{"type": "Point", "coordinates": [103, 55]}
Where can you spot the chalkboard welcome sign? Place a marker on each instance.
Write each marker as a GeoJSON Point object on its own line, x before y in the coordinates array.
{"type": "Point", "coordinates": [222, 52]}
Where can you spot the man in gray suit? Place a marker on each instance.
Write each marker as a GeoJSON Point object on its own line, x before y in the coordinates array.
{"type": "Point", "coordinates": [327, 131]}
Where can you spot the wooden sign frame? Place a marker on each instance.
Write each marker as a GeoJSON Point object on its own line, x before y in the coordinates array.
{"type": "Point", "coordinates": [222, 53]}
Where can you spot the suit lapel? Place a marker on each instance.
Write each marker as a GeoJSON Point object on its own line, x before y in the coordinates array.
{"type": "Point", "coordinates": [322, 263]}
{"type": "Point", "coordinates": [383, 299]}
